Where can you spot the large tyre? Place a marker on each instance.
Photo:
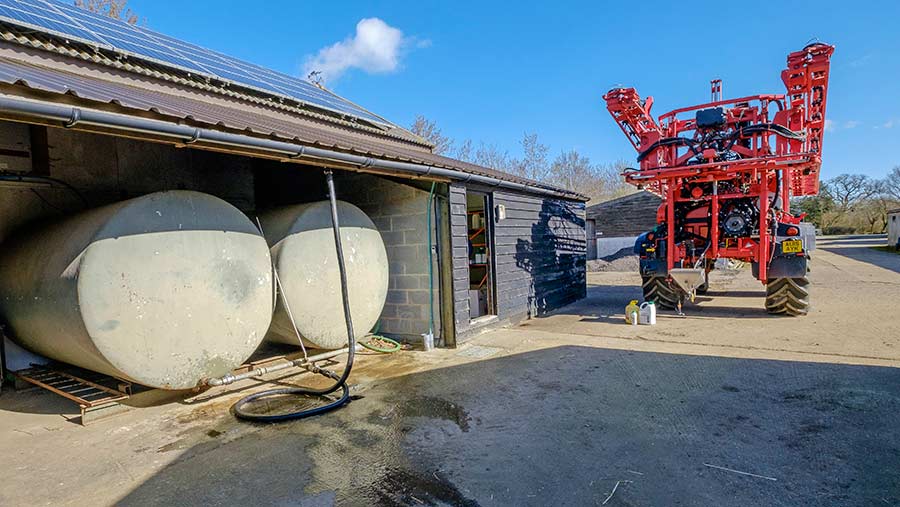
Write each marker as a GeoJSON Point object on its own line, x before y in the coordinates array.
{"type": "Point", "coordinates": [787, 296]}
{"type": "Point", "coordinates": [658, 290]}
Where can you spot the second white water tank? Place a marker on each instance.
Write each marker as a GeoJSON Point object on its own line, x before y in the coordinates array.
{"type": "Point", "coordinates": [302, 245]}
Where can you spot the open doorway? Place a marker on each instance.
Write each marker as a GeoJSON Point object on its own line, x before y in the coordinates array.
{"type": "Point", "coordinates": [482, 302]}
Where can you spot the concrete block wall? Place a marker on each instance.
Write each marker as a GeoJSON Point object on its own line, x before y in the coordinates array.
{"type": "Point", "coordinates": [399, 212]}
{"type": "Point", "coordinates": [108, 169]}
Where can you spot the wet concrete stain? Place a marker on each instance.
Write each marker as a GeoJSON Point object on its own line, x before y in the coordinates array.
{"type": "Point", "coordinates": [501, 433]}
{"type": "Point", "coordinates": [406, 487]}
{"type": "Point", "coordinates": [435, 408]}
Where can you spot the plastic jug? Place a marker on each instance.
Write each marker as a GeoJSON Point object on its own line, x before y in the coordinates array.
{"type": "Point", "coordinates": [648, 313]}
{"type": "Point", "coordinates": [632, 312]}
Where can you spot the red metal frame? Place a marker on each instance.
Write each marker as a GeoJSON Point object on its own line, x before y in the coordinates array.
{"type": "Point", "coordinates": [768, 134]}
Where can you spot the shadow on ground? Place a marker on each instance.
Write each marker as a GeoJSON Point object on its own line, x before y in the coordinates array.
{"type": "Point", "coordinates": [606, 303]}
{"type": "Point", "coordinates": [562, 426]}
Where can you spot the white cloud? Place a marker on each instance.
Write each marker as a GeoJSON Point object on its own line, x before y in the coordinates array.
{"type": "Point", "coordinates": [829, 125]}
{"type": "Point", "coordinates": [888, 124]}
{"type": "Point", "coordinates": [852, 124]}
{"type": "Point", "coordinates": [376, 48]}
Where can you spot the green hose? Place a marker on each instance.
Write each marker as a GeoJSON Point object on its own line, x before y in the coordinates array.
{"type": "Point", "coordinates": [374, 334]}
{"type": "Point", "coordinates": [430, 263]}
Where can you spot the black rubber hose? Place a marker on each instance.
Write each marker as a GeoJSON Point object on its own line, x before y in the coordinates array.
{"type": "Point", "coordinates": [340, 381]}
{"type": "Point", "coordinates": [668, 141]}
{"type": "Point", "coordinates": [770, 127]}
{"type": "Point", "coordinates": [777, 196]}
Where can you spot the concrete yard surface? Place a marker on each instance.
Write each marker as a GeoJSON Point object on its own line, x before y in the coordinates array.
{"type": "Point", "coordinates": [724, 406]}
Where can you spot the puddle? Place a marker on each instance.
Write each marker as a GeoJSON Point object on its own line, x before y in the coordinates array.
{"type": "Point", "coordinates": [404, 487]}
{"type": "Point", "coordinates": [435, 408]}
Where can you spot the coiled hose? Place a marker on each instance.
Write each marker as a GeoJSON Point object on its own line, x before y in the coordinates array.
{"type": "Point", "coordinates": [340, 380]}
{"type": "Point", "coordinates": [395, 345]}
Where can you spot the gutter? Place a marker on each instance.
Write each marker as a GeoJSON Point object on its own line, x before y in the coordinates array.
{"type": "Point", "coordinates": [72, 117]}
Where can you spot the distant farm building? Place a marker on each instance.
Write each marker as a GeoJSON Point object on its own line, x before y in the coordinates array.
{"type": "Point", "coordinates": [614, 225]}
{"type": "Point", "coordinates": [893, 227]}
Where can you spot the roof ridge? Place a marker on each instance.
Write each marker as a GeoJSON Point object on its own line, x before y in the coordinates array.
{"type": "Point", "coordinates": [145, 70]}
{"type": "Point", "coordinates": [253, 79]}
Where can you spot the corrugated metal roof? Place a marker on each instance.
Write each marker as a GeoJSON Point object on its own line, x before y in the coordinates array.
{"type": "Point", "coordinates": [626, 216]}
{"type": "Point", "coordinates": [138, 95]}
{"type": "Point", "coordinates": [77, 51]}
{"type": "Point", "coordinates": [636, 200]}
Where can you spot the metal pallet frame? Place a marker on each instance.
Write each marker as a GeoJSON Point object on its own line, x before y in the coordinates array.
{"type": "Point", "coordinates": [95, 400]}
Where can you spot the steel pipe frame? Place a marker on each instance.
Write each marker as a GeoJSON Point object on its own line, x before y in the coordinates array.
{"type": "Point", "coordinates": [299, 363]}
{"type": "Point", "coordinates": [309, 362]}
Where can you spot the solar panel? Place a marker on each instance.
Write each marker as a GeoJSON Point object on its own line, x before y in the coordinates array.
{"type": "Point", "coordinates": [76, 24]}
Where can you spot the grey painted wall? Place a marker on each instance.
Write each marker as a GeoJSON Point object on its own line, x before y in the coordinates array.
{"type": "Point", "coordinates": [539, 254]}
{"type": "Point", "coordinates": [459, 236]}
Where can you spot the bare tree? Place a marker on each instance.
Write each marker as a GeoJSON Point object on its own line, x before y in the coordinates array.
{"type": "Point", "coordinates": [874, 213]}
{"type": "Point", "coordinates": [852, 203]}
{"type": "Point", "coordinates": [492, 157]}
{"type": "Point", "coordinates": [534, 164]}
{"type": "Point", "coordinates": [892, 183]}
{"type": "Point", "coordinates": [848, 190]}
{"type": "Point", "coordinates": [612, 182]}
{"type": "Point", "coordinates": [115, 9]}
{"type": "Point", "coordinates": [428, 130]}
{"type": "Point", "coordinates": [569, 170]}
{"type": "Point", "coordinates": [574, 171]}
{"type": "Point", "coordinates": [464, 151]}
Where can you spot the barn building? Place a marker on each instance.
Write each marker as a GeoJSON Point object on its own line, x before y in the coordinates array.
{"type": "Point", "coordinates": [615, 224]}
{"type": "Point", "coordinates": [94, 111]}
{"type": "Point", "coordinates": [893, 228]}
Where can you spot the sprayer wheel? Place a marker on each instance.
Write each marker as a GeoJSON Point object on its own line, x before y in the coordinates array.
{"type": "Point", "coordinates": [787, 296]}
{"type": "Point", "coordinates": [658, 290]}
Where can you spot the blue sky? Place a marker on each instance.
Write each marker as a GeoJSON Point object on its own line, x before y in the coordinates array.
{"type": "Point", "coordinates": [491, 72]}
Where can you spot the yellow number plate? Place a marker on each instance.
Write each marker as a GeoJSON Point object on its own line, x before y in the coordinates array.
{"type": "Point", "coordinates": [792, 246]}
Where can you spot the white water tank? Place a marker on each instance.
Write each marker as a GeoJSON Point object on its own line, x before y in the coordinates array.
{"type": "Point", "coordinates": [302, 242]}
{"type": "Point", "coordinates": [162, 290]}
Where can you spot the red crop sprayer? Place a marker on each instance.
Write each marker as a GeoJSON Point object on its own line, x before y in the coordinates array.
{"type": "Point", "coordinates": [726, 171]}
